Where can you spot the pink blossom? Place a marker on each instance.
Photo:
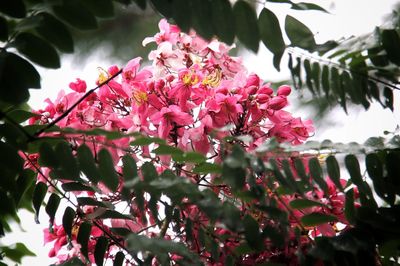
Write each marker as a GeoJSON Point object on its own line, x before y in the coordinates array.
{"type": "Point", "coordinates": [78, 86]}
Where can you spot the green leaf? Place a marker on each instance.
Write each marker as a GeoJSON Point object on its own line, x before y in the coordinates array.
{"type": "Point", "coordinates": [24, 181]}
{"type": "Point", "coordinates": [299, 34]}
{"type": "Point", "coordinates": [75, 186]}
{"type": "Point", "coordinates": [325, 80]}
{"type": "Point", "coordinates": [68, 164]}
{"type": "Point", "coordinates": [391, 43]}
{"type": "Point", "coordinates": [141, 3]}
{"type": "Point", "coordinates": [270, 31]}
{"type": "Point", "coordinates": [182, 14]}
{"type": "Point", "coordinates": [110, 214]}
{"type": "Point", "coordinates": [301, 172]}
{"type": "Point", "coordinates": [202, 9]}
{"type": "Point", "coordinates": [38, 196]}
{"type": "Point", "coordinates": [316, 174]}
{"type": "Point", "coordinates": [100, 8]}
{"type": "Point", "coordinates": [107, 170]}
{"type": "Point", "coordinates": [55, 32]}
{"type": "Point", "coordinates": [279, 176]}
{"type": "Point", "coordinates": [16, 252]}
{"type": "Point", "coordinates": [37, 50]}
{"type": "Point", "coordinates": [90, 201]}
{"type": "Point", "coordinates": [190, 157]}
{"type": "Point", "coordinates": [100, 250]}
{"type": "Point", "coordinates": [83, 237]}
{"type": "Point", "coordinates": [353, 168]}
{"type": "Point", "coordinates": [223, 20]}
{"type": "Point", "coordinates": [149, 172]}
{"type": "Point", "coordinates": [73, 262]}
{"type": "Point", "coordinates": [334, 171]}
{"type": "Point", "coordinates": [316, 218]}
{"type": "Point", "coordinates": [16, 76]}
{"type": "Point", "coordinates": [68, 220]}
{"type": "Point", "coordinates": [20, 116]}
{"type": "Point", "coordinates": [75, 14]}
{"type": "Point", "coordinates": [87, 163]}
{"type": "Point", "coordinates": [300, 204]}
{"type": "Point", "coordinates": [48, 157]}
{"type": "Point", "coordinates": [119, 259]}
{"type": "Point", "coordinates": [167, 150]}
{"type": "Point", "coordinates": [388, 94]}
{"type": "Point", "coordinates": [145, 141]}
{"type": "Point", "coordinates": [307, 6]}
{"type": "Point", "coordinates": [7, 206]}
{"type": "Point", "coordinates": [349, 209]}
{"type": "Point", "coordinates": [3, 29]}
{"type": "Point", "coordinates": [246, 25]}
{"type": "Point", "coordinates": [207, 168]}
{"type": "Point", "coordinates": [252, 233]}
{"type": "Point", "coordinates": [13, 8]}
{"type": "Point", "coordinates": [163, 6]}
{"type": "Point", "coordinates": [52, 206]}
{"type": "Point", "coordinates": [10, 159]}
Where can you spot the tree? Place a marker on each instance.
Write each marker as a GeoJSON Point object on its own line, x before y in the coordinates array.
{"type": "Point", "coordinates": [201, 154]}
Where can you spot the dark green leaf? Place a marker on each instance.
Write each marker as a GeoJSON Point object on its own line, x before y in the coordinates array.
{"type": "Point", "coordinates": [100, 250]}
{"type": "Point", "coordinates": [83, 237]}
{"type": "Point", "coordinates": [316, 174]}
{"type": "Point", "coordinates": [7, 206]}
{"type": "Point", "coordinates": [290, 178]}
{"type": "Point", "coordinates": [388, 94]}
{"type": "Point", "coordinates": [68, 164]}
{"type": "Point", "coordinates": [75, 186]}
{"type": "Point", "coordinates": [325, 80]}
{"type": "Point", "coordinates": [3, 29]}
{"type": "Point", "coordinates": [129, 168]}
{"type": "Point", "coordinates": [278, 238]}
{"type": "Point", "coordinates": [16, 252]}
{"type": "Point", "coordinates": [100, 8]}
{"type": "Point", "coordinates": [167, 150]}
{"type": "Point", "coordinates": [13, 8]}
{"type": "Point", "coordinates": [307, 6]}
{"type": "Point", "coordinates": [145, 141]}
{"type": "Point", "coordinates": [202, 9]}
{"type": "Point", "coordinates": [182, 14]}
{"type": "Point", "coordinates": [24, 181]}
{"type": "Point", "coordinates": [305, 203]}
{"type": "Point", "coordinates": [38, 196]}
{"type": "Point", "coordinates": [391, 43]}
{"type": "Point", "coordinates": [316, 218]}
{"type": "Point", "coordinates": [87, 163]}
{"type": "Point", "coordinates": [223, 20]}
{"type": "Point", "coordinates": [107, 171]}
{"type": "Point", "coordinates": [279, 176]}
{"type": "Point", "coordinates": [90, 201]}
{"type": "Point", "coordinates": [73, 262]}
{"type": "Point", "coordinates": [301, 171]}
{"type": "Point", "coordinates": [349, 209]}
{"type": "Point", "coordinates": [54, 31]}
{"type": "Point", "coordinates": [16, 76]}
{"type": "Point", "coordinates": [141, 3]}
{"type": "Point", "coordinates": [75, 14]}
{"type": "Point", "coordinates": [277, 61]}
{"type": "Point", "coordinates": [246, 25]}
{"type": "Point", "coordinates": [334, 171]}
{"type": "Point", "coordinates": [315, 72]}
{"type": "Point", "coordinates": [163, 6]}
{"type": "Point", "coordinates": [110, 214]}
{"type": "Point", "coordinates": [119, 259]}
{"type": "Point", "coordinates": [299, 34]}
{"type": "Point", "coordinates": [353, 168]}
{"type": "Point", "coordinates": [48, 157]}
{"type": "Point", "coordinates": [10, 159]}
{"type": "Point", "coordinates": [68, 220]}
{"type": "Point", "coordinates": [20, 116]}
{"type": "Point", "coordinates": [149, 172]}
{"type": "Point", "coordinates": [252, 233]}
{"type": "Point", "coordinates": [37, 50]}
{"type": "Point", "coordinates": [207, 168]}
{"type": "Point", "coordinates": [52, 206]}
{"type": "Point", "coordinates": [270, 31]}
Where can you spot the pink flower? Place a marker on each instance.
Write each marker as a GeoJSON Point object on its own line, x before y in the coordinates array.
{"type": "Point", "coordinates": [167, 117]}
{"type": "Point", "coordinates": [78, 86]}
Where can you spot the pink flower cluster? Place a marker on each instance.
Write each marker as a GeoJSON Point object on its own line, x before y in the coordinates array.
{"type": "Point", "coordinates": [193, 95]}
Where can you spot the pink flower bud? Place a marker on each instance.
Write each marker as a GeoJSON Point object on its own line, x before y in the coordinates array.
{"type": "Point", "coordinates": [159, 84]}
{"type": "Point", "coordinates": [253, 80]}
{"type": "Point", "coordinates": [284, 90]}
{"type": "Point", "coordinates": [278, 102]}
{"type": "Point", "coordinates": [263, 98]}
{"type": "Point", "coordinates": [265, 90]}
{"type": "Point", "coordinates": [112, 70]}
{"type": "Point", "coordinates": [78, 86]}
{"type": "Point", "coordinates": [251, 90]}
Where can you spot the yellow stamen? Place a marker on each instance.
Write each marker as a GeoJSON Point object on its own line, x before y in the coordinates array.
{"type": "Point", "coordinates": [103, 75]}
{"type": "Point", "coordinates": [213, 79]}
{"type": "Point", "coordinates": [140, 97]}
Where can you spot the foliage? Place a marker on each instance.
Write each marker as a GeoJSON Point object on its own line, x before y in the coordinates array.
{"type": "Point", "coordinates": [192, 160]}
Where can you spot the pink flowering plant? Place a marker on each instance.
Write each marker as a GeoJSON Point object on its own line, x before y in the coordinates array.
{"type": "Point", "coordinates": [178, 162]}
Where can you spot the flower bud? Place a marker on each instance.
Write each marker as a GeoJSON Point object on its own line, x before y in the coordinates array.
{"type": "Point", "coordinates": [112, 70]}
{"type": "Point", "coordinates": [265, 90]}
{"type": "Point", "coordinates": [284, 90]}
{"type": "Point", "coordinates": [253, 80]}
{"type": "Point", "coordinates": [277, 103]}
{"type": "Point", "coordinates": [263, 98]}
{"type": "Point", "coordinates": [159, 84]}
{"type": "Point", "coordinates": [251, 90]}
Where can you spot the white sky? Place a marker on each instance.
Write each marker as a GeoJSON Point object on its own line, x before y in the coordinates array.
{"type": "Point", "coordinates": [348, 17]}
